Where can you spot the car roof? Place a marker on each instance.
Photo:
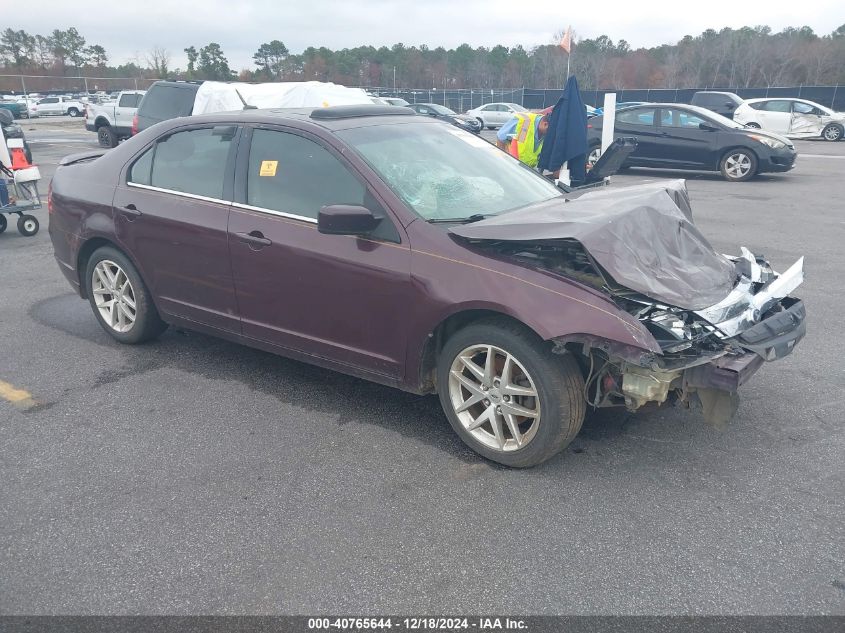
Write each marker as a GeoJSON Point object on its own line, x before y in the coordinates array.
{"type": "Point", "coordinates": [759, 99]}
{"type": "Point", "coordinates": [334, 118]}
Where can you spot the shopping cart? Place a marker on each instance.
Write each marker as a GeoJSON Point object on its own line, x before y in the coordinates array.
{"type": "Point", "coordinates": [19, 193]}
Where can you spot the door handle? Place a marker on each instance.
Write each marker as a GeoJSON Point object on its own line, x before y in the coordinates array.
{"type": "Point", "coordinates": [130, 209]}
{"type": "Point", "coordinates": [254, 237]}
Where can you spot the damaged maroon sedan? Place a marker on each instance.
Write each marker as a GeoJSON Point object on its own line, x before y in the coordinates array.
{"type": "Point", "coordinates": [408, 252]}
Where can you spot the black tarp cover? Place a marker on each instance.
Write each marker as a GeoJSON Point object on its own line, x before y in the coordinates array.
{"type": "Point", "coordinates": [643, 237]}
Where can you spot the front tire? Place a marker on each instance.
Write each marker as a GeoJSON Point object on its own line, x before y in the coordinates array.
{"type": "Point", "coordinates": [833, 132]}
{"type": "Point", "coordinates": [753, 126]}
{"type": "Point", "coordinates": [120, 299]}
{"type": "Point", "coordinates": [593, 155]}
{"type": "Point", "coordinates": [106, 136]}
{"type": "Point", "coordinates": [507, 396]}
{"type": "Point", "coordinates": [738, 165]}
{"type": "Point", "coordinates": [3, 223]}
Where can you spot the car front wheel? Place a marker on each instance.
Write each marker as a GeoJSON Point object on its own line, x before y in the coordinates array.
{"type": "Point", "coordinates": [738, 165]}
{"type": "Point", "coordinates": [507, 396]}
{"type": "Point", "coordinates": [593, 156]}
{"type": "Point", "coordinates": [120, 300]}
{"type": "Point", "coordinates": [832, 132]}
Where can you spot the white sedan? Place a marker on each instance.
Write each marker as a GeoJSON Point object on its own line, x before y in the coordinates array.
{"type": "Point", "coordinates": [795, 118]}
{"type": "Point", "coordinates": [493, 115]}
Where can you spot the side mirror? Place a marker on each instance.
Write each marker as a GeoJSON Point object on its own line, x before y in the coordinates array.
{"type": "Point", "coordinates": [707, 127]}
{"type": "Point", "coordinates": [346, 219]}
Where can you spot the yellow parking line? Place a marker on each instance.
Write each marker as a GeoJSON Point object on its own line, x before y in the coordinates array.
{"type": "Point", "coordinates": [18, 397]}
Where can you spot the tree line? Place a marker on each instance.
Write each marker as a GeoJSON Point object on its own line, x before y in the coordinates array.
{"type": "Point", "coordinates": [745, 57]}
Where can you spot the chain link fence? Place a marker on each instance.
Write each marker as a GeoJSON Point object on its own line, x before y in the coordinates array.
{"type": "Point", "coordinates": [459, 100]}
{"type": "Point", "coordinates": [539, 98]}
{"type": "Point", "coordinates": [19, 85]}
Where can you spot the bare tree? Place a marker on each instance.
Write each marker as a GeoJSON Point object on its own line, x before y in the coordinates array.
{"type": "Point", "coordinates": [158, 60]}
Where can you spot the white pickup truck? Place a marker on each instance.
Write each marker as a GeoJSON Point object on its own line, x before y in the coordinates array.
{"type": "Point", "coordinates": [58, 106]}
{"type": "Point", "coordinates": [112, 121]}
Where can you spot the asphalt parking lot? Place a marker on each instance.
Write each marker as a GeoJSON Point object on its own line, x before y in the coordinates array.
{"type": "Point", "coordinates": [194, 476]}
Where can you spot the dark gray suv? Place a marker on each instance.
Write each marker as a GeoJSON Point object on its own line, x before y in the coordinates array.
{"type": "Point", "coordinates": [724, 103]}
{"type": "Point", "coordinates": [165, 100]}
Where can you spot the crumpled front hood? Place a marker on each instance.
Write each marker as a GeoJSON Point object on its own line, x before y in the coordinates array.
{"type": "Point", "coordinates": [642, 236]}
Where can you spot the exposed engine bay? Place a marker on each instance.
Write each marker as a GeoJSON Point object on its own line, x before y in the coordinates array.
{"type": "Point", "coordinates": [708, 348]}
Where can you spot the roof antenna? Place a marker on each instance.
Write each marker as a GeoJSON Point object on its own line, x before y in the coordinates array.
{"type": "Point", "coordinates": [246, 105]}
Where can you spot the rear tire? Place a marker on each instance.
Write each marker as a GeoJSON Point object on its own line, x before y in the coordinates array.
{"type": "Point", "coordinates": [738, 165]}
{"type": "Point", "coordinates": [833, 132]}
{"type": "Point", "coordinates": [3, 223]}
{"type": "Point", "coordinates": [753, 126]}
{"type": "Point", "coordinates": [106, 136]}
{"type": "Point", "coordinates": [116, 292]}
{"type": "Point", "coordinates": [74, 112]}
{"type": "Point", "coordinates": [28, 225]}
{"type": "Point", "coordinates": [521, 362]}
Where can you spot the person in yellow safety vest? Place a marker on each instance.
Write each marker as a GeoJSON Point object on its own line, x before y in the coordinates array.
{"type": "Point", "coordinates": [522, 136]}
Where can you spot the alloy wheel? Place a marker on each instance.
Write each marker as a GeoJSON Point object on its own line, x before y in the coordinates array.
{"type": "Point", "coordinates": [832, 133]}
{"type": "Point", "coordinates": [114, 296]}
{"type": "Point", "coordinates": [738, 165]}
{"type": "Point", "coordinates": [592, 157]}
{"type": "Point", "coordinates": [494, 398]}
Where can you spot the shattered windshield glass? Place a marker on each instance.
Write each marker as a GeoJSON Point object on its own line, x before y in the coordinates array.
{"type": "Point", "coordinates": [442, 172]}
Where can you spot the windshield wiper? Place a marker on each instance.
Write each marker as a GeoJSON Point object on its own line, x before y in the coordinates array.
{"type": "Point", "coordinates": [467, 220]}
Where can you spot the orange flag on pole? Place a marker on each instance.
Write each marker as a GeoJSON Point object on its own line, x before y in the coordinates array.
{"type": "Point", "coordinates": [566, 41]}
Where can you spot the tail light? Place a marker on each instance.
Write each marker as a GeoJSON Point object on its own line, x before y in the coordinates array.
{"type": "Point", "coordinates": [589, 126]}
{"type": "Point", "coordinates": [50, 198]}
{"type": "Point", "coordinates": [135, 124]}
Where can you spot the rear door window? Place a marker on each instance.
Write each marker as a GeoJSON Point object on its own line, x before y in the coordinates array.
{"type": "Point", "coordinates": [191, 161]}
{"type": "Point", "coordinates": [168, 102]}
{"type": "Point", "coordinates": [777, 106]}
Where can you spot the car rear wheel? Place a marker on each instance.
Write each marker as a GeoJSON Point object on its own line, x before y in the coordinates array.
{"type": "Point", "coordinates": [738, 165]}
{"type": "Point", "coordinates": [754, 126]}
{"type": "Point", "coordinates": [832, 132]}
{"type": "Point", "coordinates": [106, 136]}
{"type": "Point", "coordinates": [120, 300]}
{"type": "Point", "coordinates": [74, 112]}
{"type": "Point", "coordinates": [507, 396]}
{"type": "Point", "coordinates": [3, 223]}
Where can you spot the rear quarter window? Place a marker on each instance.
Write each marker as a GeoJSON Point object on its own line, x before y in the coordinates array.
{"type": "Point", "coordinates": [168, 102]}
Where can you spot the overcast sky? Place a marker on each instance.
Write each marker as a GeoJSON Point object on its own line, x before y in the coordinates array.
{"type": "Point", "coordinates": [129, 28]}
